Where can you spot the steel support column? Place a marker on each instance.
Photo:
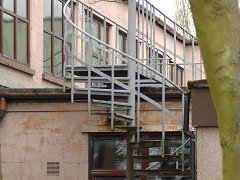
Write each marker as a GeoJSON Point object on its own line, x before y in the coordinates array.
{"type": "Point", "coordinates": [131, 50]}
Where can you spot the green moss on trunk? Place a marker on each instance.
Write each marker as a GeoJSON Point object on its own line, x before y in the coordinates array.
{"type": "Point", "coordinates": [218, 27]}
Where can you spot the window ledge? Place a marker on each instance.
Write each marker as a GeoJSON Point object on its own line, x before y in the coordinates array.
{"type": "Point", "coordinates": [17, 66]}
{"type": "Point", "coordinates": [53, 79]}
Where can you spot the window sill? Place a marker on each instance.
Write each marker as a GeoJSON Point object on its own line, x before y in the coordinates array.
{"type": "Point", "coordinates": [10, 63]}
{"type": "Point", "coordinates": [53, 79]}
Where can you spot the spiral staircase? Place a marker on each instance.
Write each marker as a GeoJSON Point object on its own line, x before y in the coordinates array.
{"type": "Point", "coordinates": [117, 81]}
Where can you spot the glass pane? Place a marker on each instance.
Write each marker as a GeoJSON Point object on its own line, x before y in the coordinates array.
{"type": "Point", "coordinates": [47, 53]}
{"type": "Point", "coordinates": [9, 5]}
{"type": "Point", "coordinates": [57, 57]}
{"type": "Point", "coordinates": [47, 15]}
{"type": "Point", "coordinates": [22, 8]}
{"type": "Point", "coordinates": [58, 18]}
{"type": "Point", "coordinates": [21, 41]}
{"type": "Point", "coordinates": [109, 154]}
{"type": "Point", "coordinates": [8, 35]}
{"type": "Point", "coordinates": [95, 29]}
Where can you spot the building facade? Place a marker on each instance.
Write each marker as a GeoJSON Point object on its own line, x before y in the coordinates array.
{"type": "Point", "coordinates": [43, 135]}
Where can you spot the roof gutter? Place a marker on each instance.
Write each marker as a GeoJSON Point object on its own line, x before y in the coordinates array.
{"type": "Point", "coordinates": [3, 107]}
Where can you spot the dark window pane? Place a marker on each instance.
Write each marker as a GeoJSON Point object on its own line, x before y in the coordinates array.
{"type": "Point", "coordinates": [8, 35]}
{"type": "Point", "coordinates": [57, 57]}
{"type": "Point", "coordinates": [47, 53]}
{"type": "Point", "coordinates": [22, 8]}
{"type": "Point", "coordinates": [109, 154]}
{"type": "Point", "coordinates": [47, 15]}
{"type": "Point", "coordinates": [21, 41]}
{"type": "Point", "coordinates": [9, 5]}
{"type": "Point", "coordinates": [58, 18]}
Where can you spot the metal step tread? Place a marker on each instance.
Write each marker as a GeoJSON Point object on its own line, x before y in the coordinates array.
{"type": "Point", "coordinates": [102, 91]}
{"type": "Point", "coordinates": [109, 103]}
{"type": "Point", "coordinates": [96, 78]}
{"type": "Point", "coordinates": [161, 172]}
{"type": "Point", "coordinates": [157, 158]}
{"type": "Point", "coordinates": [146, 144]}
{"type": "Point", "coordinates": [119, 115]}
{"type": "Point", "coordinates": [99, 67]}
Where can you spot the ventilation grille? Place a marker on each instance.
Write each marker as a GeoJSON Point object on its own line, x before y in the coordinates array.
{"type": "Point", "coordinates": [52, 168]}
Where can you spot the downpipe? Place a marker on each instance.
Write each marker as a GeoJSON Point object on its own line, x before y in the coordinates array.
{"type": "Point", "coordinates": [3, 107]}
{"type": "Point", "coordinates": [189, 134]}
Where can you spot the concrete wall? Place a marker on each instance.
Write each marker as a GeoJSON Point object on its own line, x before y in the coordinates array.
{"type": "Point", "coordinates": [209, 154]}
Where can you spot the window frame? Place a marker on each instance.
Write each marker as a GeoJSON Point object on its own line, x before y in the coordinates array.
{"type": "Point", "coordinates": [53, 35]}
{"type": "Point", "coordinates": [16, 17]}
{"type": "Point", "coordinates": [93, 173]}
{"type": "Point", "coordinates": [103, 172]}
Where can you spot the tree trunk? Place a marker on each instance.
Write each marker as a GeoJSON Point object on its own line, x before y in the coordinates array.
{"type": "Point", "coordinates": [217, 25]}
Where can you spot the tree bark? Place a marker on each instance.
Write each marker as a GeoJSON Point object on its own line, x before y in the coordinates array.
{"type": "Point", "coordinates": [217, 25]}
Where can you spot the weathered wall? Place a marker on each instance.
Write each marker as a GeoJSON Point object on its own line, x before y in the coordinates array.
{"type": "Point", "coordinates": [209, 154]}
{"type": "Point", "coordinates": [33, 134]}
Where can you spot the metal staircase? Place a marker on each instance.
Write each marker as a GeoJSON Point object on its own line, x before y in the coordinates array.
{"type": "Point", "coordinates": [95, 68]}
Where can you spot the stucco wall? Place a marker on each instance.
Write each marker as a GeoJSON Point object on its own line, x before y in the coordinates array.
{"type": "Point", "coordinates": [209, 154]}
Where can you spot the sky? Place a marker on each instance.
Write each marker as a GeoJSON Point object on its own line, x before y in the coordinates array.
{"type": "Point", "coordinates": [168, 7]}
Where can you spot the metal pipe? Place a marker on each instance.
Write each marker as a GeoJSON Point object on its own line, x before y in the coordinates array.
{"type": "Point", "coordinates": [3, 107]}
{"type": "Point", "coordinates": [190, 135]}
{"type": "Point", "coordinates": [131, 73]}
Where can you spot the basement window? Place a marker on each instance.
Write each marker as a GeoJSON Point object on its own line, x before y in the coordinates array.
{"type": "Point", "coordinates": [52, 168]}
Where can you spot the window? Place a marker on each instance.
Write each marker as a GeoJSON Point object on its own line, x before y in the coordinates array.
{"type": "Point", "coordinates": [15, 25]}
{"type": "Point", "coordinates": [108, 155]}
{"type": "Point", "coordinates": [169, 66]}
{"type": "Point", "coordinates": [122, 46]}
{"type": "Point", "coordinates": [96, 28]}
{"type": "Point", "coordinates": [53, 37]}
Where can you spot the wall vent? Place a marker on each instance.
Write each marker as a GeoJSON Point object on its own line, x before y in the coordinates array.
{"type": "Point", "coordinates": [52, 168]}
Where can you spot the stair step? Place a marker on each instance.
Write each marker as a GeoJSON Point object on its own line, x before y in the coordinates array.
{"type": "Point", "coordinates": [108, 104]}
{"type": "Point", "coordinates": [107, 69]}
{"type": "Point", "coordinates": [102, 92]}
{"type": "Point", "coordinates": [157, 158]}
{"type": "Point", "coordinates": [162, 172]}
{"type": "Point", "coordinates": [146, 144]}
{"type": "Point", "coordinates": [98, 79]}
{"type": "Point", "coordinates": [122, 117]}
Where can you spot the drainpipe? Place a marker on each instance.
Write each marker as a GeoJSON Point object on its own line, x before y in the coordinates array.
{"type": "Point", "coordinates": [190, 135]}
{"type": "Point", "coordinates": [3, 107]}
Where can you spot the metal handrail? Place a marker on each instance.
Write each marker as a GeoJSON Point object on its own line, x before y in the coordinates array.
{"type": "Point", "coordinates": [116, 50]}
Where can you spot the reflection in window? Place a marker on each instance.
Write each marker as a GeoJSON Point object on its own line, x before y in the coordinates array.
{"type": "Point", "coordinates": [22, 8]}
{"type": "Point", "coordinates": [109, 154]}
{"type": "Point", "coordinates": [21, 41]}
{"type": "Point", "coordinates": [47, 53]}
{"type": "Point", "coordinates": [58, 17]}
{"type": "Point", "coordinates": [47, 15]}
{"type": "Point", "coordinates": [8, 35]}
{"type": "Point", "coordinates": [58, 56]}
{"type": "Point", "coordinates": [122, 46]}
{"type": "Point", "coordinates": [53, 36]}
{"type": "Point", "coordinates": [95, 27]}
{"type": "Point", "coordinates": [15, 30]}
{"type": "Point", "coordinates": [8, 5]}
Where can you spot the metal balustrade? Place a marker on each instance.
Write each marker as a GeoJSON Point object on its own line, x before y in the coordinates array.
{"type": "Point", "coordinates": [99, 68]}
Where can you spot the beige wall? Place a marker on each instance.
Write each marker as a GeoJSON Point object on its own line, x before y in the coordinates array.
{"type": "Point", "coordinates": [32, 134]}
{"type": "Point", "coordinates": [209, 154]}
